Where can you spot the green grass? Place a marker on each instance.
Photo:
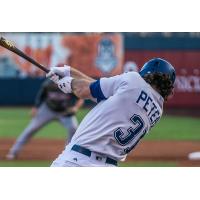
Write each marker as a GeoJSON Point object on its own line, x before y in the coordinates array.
{"type": "Point", "coordinates": [176, 128]}
{"type": "Point", "coordinates": [14, 120]}
{"type": "Point", "coordinates": [48, 163]}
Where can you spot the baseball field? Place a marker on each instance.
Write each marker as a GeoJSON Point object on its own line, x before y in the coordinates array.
{"type": "Point", "coordinates": [168, 144]}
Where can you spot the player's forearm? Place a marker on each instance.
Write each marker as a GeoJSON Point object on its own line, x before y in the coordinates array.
{"type": "Point", "coordinates": [81, 84]}
{"type": "Point", "coordinates": [76, 74]}
{"type": "Point", "coordinates": [81, 88]}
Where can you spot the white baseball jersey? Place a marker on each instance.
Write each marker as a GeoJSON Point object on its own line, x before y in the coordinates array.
{"type": "Point", "coordinates": [128, 107]}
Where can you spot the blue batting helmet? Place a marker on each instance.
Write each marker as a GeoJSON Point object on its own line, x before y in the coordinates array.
{"type": "Point", "coordinates": [158, 65]}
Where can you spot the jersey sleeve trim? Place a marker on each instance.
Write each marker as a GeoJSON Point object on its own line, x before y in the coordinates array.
{"type": "Point", "coordinates": [96, 92]}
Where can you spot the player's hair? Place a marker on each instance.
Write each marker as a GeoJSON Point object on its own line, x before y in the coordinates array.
{"type": "Point", "coordinates": [162, 83]}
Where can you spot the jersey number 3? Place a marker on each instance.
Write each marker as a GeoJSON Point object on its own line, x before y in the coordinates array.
{"type": "Point", "coordinates": [124, 139]}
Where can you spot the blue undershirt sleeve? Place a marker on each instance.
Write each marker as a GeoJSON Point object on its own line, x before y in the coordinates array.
{"type": "Point", "coordinates": [96, 92]}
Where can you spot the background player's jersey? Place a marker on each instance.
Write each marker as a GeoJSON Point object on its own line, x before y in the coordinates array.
{"type": "Point", "coordinates": [55, 99]}
{"type": "Point", "coordinates": [128, 107]}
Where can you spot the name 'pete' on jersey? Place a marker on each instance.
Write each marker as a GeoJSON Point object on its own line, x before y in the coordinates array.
{"type": "Point", "coordinates": [128, 107]}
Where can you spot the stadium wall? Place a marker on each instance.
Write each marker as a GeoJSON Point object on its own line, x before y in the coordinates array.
{"type": "Point", "coordinates": [182, 52]}
{"type": "Point", "coordinates": [21, 91]}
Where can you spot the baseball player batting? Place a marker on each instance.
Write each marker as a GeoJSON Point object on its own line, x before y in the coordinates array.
{"type": "Point", "coordinates": [129, 105]}
{"type": "Point", "coordinates": [51, 104]}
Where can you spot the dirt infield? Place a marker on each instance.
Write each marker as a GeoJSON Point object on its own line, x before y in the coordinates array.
{"type": "Point", "coordinates": [43, 149]}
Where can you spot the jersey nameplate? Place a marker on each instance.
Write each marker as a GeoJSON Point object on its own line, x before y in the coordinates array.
{"type": "Point", "coordinates": [147, 103]}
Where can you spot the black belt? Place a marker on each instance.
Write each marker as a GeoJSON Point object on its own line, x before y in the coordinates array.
{"type": "Point", "coordinates": [88, 153]}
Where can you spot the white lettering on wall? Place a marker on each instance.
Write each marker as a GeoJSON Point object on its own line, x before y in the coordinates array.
{"type": "Point", "coordinates": [187, 83]}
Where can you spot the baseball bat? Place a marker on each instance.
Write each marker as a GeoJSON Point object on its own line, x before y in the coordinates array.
{"type": "Point", "coordinates": [11, 47]}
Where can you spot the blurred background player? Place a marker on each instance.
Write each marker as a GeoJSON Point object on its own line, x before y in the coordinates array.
{"type": "Point", "coordinates": [130, 66]}
{"type": "Point", "coordinates": [51, 104]}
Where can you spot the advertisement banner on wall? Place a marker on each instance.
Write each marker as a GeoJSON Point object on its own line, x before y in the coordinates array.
{"type": "Point", "coordinates": [187, 65]}
{"type": "Point", "coordinates": [96, 54]}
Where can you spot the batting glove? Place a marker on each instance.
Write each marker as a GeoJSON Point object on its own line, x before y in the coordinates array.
{"type": "Point", "coordinates": [64, 84]}
{"type": "Point", "coordinates": [61, 71]}
{"type": "Point", "coordinates": [54, 78]}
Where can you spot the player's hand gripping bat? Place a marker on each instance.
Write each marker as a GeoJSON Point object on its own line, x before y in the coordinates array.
{"type": "Point", "coordinates": [11, 47]}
